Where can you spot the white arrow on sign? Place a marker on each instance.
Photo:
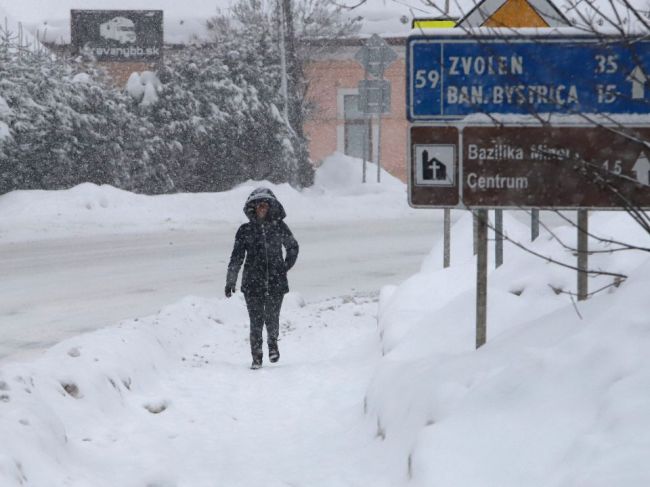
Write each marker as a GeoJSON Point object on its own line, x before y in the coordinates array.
{"type": "Point", "coordinates": [638, 79]}
{"type": "Point", "coordinates": [642, 169]}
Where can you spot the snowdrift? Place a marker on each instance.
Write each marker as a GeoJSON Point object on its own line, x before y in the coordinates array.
{"type": "Point", "coordinates": [48, 407]}
{"type": "Point", "coordinates": [557, 397]}
{"type": "Point", "coordinates": [169, 401]}
{"type": "Point", "coordinates": [88, 209]}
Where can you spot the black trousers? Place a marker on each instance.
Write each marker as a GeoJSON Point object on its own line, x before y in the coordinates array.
{"type": "Point", "coordinates": [263, 310]}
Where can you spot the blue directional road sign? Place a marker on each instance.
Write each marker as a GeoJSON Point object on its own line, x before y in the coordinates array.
{"type": "Point", "coordinates": [451, 77]}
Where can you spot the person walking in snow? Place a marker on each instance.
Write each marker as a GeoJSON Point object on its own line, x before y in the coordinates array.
{"type": "Point", "coordinates": [264, 280]}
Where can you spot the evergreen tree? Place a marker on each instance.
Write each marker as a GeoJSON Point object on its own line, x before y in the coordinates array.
{"type": "Point", "coordinates": [254, 30]}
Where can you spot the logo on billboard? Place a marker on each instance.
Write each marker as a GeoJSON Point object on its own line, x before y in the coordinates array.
{"type": "Point", "coordinates": [118, 29]}
{"type": "Point", "coordinates": [435, 165]}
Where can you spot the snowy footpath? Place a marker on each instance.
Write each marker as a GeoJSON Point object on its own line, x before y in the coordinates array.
{"type": "Point", "coordinates": [170, 401]}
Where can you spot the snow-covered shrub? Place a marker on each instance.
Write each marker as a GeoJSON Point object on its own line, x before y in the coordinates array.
{"type": "Point", "coordinates": [218, 105]}
{"type": "Point", "coordinates": [67, 127]}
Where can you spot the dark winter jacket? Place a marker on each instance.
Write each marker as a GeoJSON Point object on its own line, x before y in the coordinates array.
{"type": "Point", "coordinates": [260, 243]}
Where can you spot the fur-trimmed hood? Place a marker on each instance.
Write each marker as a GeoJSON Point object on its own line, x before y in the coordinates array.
{"type": "Point", "coordinates": [276, 210]}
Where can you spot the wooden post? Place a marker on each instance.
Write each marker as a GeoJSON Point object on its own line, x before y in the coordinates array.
{"type": "Point", "coordinates": [481, 278]}
{"type": "Point", "coordinates": [447, 239]}
{"type": "Point", "coordinates": [583, 254]}
{"type": "Point", "coordinates": [498, 238]}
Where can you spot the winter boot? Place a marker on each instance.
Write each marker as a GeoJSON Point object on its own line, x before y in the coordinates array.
{"type": "Point", "coordinates": [257, 361]}
{"type": "Point", "coordinates": [274, 353]}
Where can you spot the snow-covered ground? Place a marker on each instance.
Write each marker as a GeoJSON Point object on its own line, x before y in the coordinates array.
{"type": "Point", "coordinates": [557, 397]}
{"type": "Point", "coordinates": [377, 385]}
{"type": "Point", "coordinates": [90, 210]}
{"type": "Point", "coordinates": [169, 401]}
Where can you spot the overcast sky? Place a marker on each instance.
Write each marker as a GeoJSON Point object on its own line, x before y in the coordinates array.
{"type": "Point", "coordinates": [184, 18]}
{"type": "Point", "coordinates": [38, 10]}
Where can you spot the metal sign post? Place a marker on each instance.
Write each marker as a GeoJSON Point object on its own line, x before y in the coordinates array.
{"type": "Point", "coordinates": [379, 145]}
{"type": "Point", "coordinates": [583, 254]}
{"type": "Point", "coordinates": [481, 277]}
{"type": "Point", "coordinates": [474, 232]}
{"type": "Point", "coordinates": [366, 137]}
{"type": "Point", "coordinates": [498, 238]}
{"type": "Point", "coordinates": [364, 150]}
{"type": "Point", "coordinates": [446, 259]}
{"type": "Point", "coordinates": [534, 225]}
{"type": "Point", "coordinates": [374, 95]}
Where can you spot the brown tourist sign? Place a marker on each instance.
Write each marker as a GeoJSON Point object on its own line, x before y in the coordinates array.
{"type": "Point", "coordinates": [531, 167]}
{"type": "Point", "coordinates": [433, 171]}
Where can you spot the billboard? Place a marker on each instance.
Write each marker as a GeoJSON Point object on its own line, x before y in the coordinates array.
{"type": "Point", "coordinates": [118, 35]}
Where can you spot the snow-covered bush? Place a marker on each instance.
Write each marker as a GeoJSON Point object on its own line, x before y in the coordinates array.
{"type": "Point", "coordinates": [211, 118]}
{"type": "Point", "coordinates": [218, 105]}
{"type": "Point", "coordinates": [65, 127]}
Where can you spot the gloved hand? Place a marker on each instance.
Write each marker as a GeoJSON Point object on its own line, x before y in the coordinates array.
{"type": "Point", "coordinates": [230, 288]}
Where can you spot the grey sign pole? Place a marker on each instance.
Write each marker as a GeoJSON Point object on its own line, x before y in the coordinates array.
{"type": "Point", "coordinates": [379, 149]}
{"type": "Point", "coordinates": [366, 137]}
{"type": "Point", "coordinates": [498, 238]}
{"type": "Point", "coordinates": [446, 261]}
{"type": "Point", "coordinates": [534, 225]}
{"type": "Point", "coordinates": [381, 103]}
{"type": "Point", "coordinates": [583, 254]}
{"type": "Point", "coordinates": [364, 150]}
{"type": "Point", "coordinates": [475, 231]}
{"type": "Point", "coordinates": [481, 278]}
{"type": "Point", "coordinates": [375, 56]}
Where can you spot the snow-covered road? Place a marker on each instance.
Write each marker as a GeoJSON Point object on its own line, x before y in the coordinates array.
{"type": "Point", "coordinates": [53, 289]}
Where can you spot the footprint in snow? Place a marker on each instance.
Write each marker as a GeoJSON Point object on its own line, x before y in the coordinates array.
{"type": "Point", "coordinates": [72, 389]}
{"type": "Point", "coordinates": [157, 407]}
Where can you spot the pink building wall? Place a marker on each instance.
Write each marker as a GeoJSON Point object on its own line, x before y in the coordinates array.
{"type": "Point", "coordinates": [328, 80]}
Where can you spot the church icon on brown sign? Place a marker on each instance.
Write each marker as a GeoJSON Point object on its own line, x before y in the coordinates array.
{"type": "Point", "coordinates": [435, 165]}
